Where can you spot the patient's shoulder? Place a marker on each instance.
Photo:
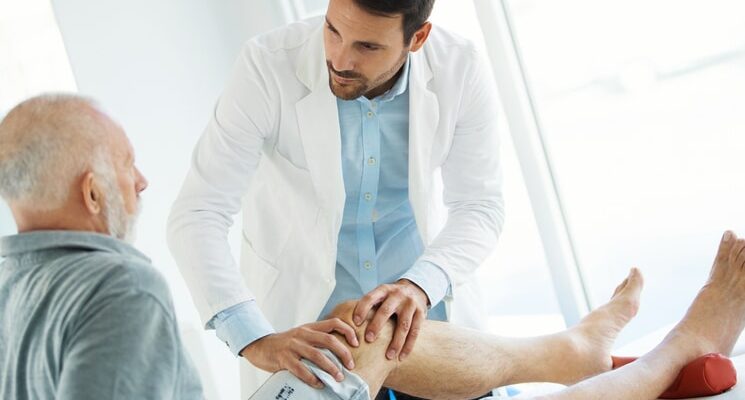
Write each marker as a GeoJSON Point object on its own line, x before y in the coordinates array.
{"type": "Point", "coordinates": [113, 274]}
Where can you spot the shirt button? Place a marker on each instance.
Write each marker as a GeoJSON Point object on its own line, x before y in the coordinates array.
{"type": "Point", "coordinates": [369, 114]}
{"type": "Point", "coordinates": [368, 196]}
{"type": "Point", "coordinates": [368, 265]}
{"type": "Point", "coordinates": [371, 161]}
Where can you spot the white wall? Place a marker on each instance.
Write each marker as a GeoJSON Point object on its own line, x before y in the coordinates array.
{"type": "Point", "coordinates": [158, 67]}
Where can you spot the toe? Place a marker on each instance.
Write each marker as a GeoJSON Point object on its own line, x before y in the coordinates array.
{"type": "Point", "coordinates": [620, 287]}
{"type": "Point", "coordinates": [636, 281]}
{"type": "Point", "coordinates": [736, 252]}
{"type": "Point", "coordinates": [632, 285]}
{"type": "Point", "coordinates": [740, 260]}
{"type": "Point", "coordinates": [725, 246]}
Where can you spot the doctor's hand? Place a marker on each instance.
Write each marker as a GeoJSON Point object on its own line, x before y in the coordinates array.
{"type": "Point", "coordinates": [404, 299]}
{"type": "Point", "coordinates": [283, 351]}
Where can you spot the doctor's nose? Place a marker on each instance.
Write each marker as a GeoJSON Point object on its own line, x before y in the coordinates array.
{"type": "Point", "coordinates": [342, 60]}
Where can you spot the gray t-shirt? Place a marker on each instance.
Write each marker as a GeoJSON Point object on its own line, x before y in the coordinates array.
{"type": "Point", "coordinates": [86, 316]}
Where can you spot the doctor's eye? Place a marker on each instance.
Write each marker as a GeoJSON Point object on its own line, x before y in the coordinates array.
{"type": "Point", "coordinates": [367, 46]}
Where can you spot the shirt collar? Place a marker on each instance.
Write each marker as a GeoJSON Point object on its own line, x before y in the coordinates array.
{"type": "Point", "coordinates": [399, 88]}
{"type": "Point", "coordinates": [30, 242]}
{"type": "Point", "coordinates": [401, 84]}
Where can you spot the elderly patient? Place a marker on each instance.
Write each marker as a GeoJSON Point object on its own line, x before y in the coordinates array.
{"type": "Point", "coordinates": [83, 314]}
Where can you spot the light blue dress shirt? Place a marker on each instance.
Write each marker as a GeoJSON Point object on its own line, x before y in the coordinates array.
{"type": "Point", "coordinates": [378, 241]}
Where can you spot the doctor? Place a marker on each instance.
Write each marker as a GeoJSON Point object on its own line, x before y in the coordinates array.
{"type": "Point", "coordinates": [362, 149]}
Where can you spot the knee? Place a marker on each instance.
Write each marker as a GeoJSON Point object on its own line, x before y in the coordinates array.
{"type": "Point", "coordinates": [345, 312]}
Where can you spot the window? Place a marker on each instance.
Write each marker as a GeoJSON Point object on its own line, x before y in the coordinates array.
{"type": "Point", "coordinates": [639, 104]}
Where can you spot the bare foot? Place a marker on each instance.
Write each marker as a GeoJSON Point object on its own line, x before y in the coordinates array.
{"type": "Point", "coordinates": [717, 316]}
{"type": "Point", "coordinates": [593, 338]}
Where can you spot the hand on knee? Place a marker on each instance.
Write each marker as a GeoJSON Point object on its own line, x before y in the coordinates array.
{"type": "Point", "coordinates": [366, 352]}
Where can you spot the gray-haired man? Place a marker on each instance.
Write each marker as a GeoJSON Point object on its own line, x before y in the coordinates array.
{"type": "Point", "coordinates": [83, 315]}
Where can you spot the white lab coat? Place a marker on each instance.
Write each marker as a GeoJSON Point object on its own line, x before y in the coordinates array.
{"type": "Point", "coordinates": [273, 148]}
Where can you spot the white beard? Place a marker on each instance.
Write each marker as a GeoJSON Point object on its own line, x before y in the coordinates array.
{"type": "Point", "coordinates": [120, 224]}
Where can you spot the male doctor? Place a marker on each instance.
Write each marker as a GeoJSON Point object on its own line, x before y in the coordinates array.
{"type": "Point", "coordinates": [362, 149]}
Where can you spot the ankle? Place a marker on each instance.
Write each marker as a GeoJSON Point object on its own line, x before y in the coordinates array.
{"type": "Point", "coordinates": [687, 342]}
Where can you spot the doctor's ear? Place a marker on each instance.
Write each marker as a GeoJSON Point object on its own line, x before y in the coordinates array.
{"type": "Point", "coordinates": [92, 194]}
{"type": "Point", "coordinates": [420, 36]}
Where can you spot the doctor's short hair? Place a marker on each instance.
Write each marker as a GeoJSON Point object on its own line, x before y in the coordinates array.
{"type": "Point", "coordinates": [415, 12]}
{"type": "Point", "coordinates": [46, 143]}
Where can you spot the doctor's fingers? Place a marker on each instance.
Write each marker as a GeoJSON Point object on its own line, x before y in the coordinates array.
{"type": "Point", "coordinates": [368, 301]}
{"type": "Point", "coordinates": [332, 343]}
{"type": "Point", "coordinates": [406, 316]}
{"type": "Point", "coordinates": [393, 304]}
{"type": "Point", "coordinates": [416, 326]}
{"type": "Point", "coordinates": [339, 326]}
{"type": "Point", "coordinates": [302, 372]}
{"type": "Point", "coordinates": [315, 356]}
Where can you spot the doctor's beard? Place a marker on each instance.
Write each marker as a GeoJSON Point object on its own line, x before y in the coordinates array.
{"type": "Point", "coordinates": [363, 85]}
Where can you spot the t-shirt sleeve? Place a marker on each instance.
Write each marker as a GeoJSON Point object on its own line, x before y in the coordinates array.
{"type": "Point", "coordinates": [124, 346]}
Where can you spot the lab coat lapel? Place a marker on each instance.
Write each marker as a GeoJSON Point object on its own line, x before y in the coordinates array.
{"type": "Point", "coordinates": [318, 122]}
{"type": "Point", "coordinates": [424, 116]}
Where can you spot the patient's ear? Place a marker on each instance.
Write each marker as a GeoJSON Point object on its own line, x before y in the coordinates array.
{"type": "Point", "coordinates": [92, 194]}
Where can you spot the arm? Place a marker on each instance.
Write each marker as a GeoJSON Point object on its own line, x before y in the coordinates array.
{"type": "Point", "coordinates": [472, 179]}
{"type": "Point", "coordinates": [223, 165]}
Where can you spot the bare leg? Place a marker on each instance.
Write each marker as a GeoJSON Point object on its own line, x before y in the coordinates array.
{"type": "Point", "coordinates": [450, 362]}
{"type": "Point", "coordinates": [712, 325]}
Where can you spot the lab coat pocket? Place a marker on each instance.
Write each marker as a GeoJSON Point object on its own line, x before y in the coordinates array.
{"type": "Point", "coordinates": [266, 225]}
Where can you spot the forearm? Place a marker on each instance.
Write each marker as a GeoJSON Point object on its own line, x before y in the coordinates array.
{"type": "Point", "coordinates": [198, 242]}
{"type": "Point", "coordinates": [468, 238]}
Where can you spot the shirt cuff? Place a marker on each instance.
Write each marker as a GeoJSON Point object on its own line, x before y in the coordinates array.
{"type": "Point", "coordinates": [432, 279]}
{"type": "Point", "coordinates": [240, 325]}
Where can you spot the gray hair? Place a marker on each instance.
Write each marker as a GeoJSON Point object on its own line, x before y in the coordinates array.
{"type": "Point", "coordinates": [46, 143]}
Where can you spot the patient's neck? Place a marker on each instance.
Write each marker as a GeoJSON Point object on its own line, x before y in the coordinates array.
{"type": "Point", "coordinates": [67, 218]}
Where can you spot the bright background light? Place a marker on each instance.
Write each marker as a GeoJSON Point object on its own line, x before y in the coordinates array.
{"type": "Point", "coordinates": [640, 107]}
